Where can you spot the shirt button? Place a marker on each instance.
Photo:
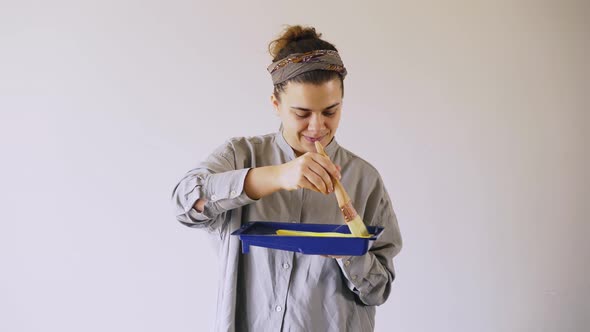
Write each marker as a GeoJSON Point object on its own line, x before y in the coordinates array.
{"type": "Point", "coordinates": [347, 263]}
{"type": "Point", "coordinates": [233, 193]}
{"type": "Point", "coordinates": [214, 197]}
{"type": "Point", "coordinates": [354, 277]}
{"type": "Point", "coordinates": [278, 308]}
{"type": "Point", "coordinates": [286, 266]}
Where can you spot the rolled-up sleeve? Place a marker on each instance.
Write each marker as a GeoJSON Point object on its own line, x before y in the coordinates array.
{"type": "Point", "coordinates": [215, 180]}
{"type": "Point", "coordinates": [370, 276]}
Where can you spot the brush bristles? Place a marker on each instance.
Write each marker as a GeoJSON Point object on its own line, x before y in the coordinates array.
{"type": "Point", "coordinates": [357, 227]}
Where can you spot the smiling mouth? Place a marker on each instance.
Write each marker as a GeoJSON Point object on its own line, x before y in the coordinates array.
{"type": "Point", "coordinates": [314, 139]}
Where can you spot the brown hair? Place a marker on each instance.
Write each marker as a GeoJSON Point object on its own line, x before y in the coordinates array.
{"type": "Point", "coordinates": [299, 39]}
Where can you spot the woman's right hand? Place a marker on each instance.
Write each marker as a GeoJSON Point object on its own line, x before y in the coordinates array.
{"type": "Point", "coordinates": [310, 171]}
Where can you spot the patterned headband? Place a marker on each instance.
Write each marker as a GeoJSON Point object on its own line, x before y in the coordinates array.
{"type": "Point", "coordinates": [299, 63]}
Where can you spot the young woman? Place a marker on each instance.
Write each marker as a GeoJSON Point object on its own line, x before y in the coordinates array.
{"type": "Point", "coordinates": [281, 177]}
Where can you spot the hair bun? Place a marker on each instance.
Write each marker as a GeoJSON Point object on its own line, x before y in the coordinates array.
{"type": "Point", "coordinates": [292, 34]}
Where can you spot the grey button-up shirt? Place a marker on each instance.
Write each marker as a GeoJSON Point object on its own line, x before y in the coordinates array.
{"type": "Point", "coordinates": [274, 290]}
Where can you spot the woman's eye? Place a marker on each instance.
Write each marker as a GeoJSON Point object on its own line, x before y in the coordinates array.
{"type": "Point", "coordinates": [303, 115]}
{"type": "Point", "coordinates": [329, 113]}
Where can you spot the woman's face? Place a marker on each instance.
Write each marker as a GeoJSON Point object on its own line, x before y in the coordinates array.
{"type": "Point", "coordinates": [309, 113]}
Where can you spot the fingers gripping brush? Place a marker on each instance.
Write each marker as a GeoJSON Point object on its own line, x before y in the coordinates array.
{"type": "Point", "coordinates": [353, 220]}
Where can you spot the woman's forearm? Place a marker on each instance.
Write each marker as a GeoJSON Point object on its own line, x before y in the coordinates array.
{"type": "Point", "coordinates": [259, 182]}
{"type": "Point", "coordinates": [262, 181]}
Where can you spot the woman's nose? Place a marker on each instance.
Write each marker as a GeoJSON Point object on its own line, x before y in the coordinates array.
{"type": "Point", "coordinates": [316, 123]}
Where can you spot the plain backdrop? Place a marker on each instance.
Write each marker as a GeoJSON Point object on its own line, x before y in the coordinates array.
{"type": "Point", "coordinates": [476, 113]}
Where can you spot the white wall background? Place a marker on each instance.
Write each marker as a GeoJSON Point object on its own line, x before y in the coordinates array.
{"type": "Point", "coordinates": [475, 112]}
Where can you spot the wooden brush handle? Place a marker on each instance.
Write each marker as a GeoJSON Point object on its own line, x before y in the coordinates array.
{"type": "Point", "coordinates": [341, 195]}
{"type": "Point", "coordinates": [351, 217]}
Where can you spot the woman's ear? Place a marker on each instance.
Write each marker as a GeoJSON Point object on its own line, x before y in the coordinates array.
{"type": "Point", "coordinates": [275, 103]}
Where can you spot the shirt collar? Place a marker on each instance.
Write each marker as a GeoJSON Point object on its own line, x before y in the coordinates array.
{"type": "Point", "coordinates": [330, 149]}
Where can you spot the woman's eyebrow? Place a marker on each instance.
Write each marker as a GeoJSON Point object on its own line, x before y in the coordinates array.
{"type": "Point", "coordinates": [308, 110]}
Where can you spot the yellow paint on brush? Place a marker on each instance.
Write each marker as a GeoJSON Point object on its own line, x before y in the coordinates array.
{"type": "Point", "coordinates": [357, 227]}
{"type": "Point", "coordinates": [317, 234]}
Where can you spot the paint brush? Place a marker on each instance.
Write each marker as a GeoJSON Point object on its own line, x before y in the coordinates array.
{"type": "Point", "coordinates": [351, 217]}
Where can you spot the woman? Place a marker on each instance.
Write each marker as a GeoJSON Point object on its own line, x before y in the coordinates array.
{"type": "Point", "coordinates": [281, 177]}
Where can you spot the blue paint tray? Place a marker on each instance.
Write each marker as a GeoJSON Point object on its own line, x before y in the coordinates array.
{"type": "Point", "coordinates": [263, 234]}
